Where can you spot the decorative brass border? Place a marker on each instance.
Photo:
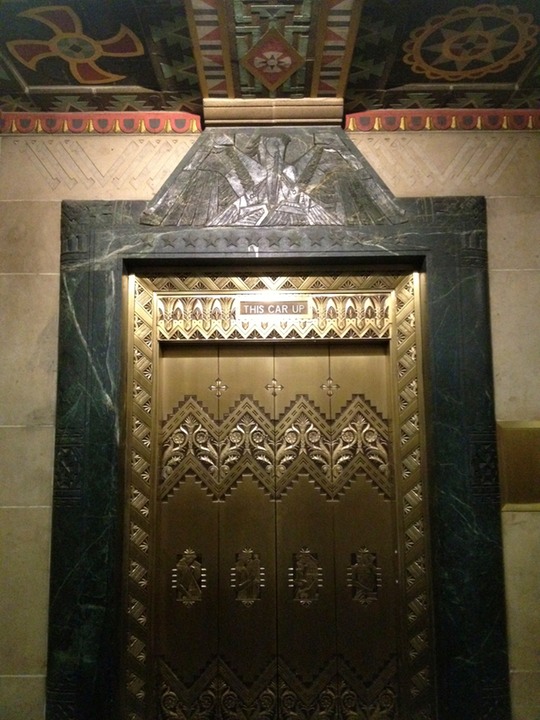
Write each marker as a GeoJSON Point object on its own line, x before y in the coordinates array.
{"type": "Point", "coordinates": [146, 296]}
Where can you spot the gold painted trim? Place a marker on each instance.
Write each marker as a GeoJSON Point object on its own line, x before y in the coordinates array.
{"type": "Point", "coordinates": [276, 111]}
{"type": "Point", "coordinates": [354, 25]}
{"type": "Point", "coordinates": [521, 507]}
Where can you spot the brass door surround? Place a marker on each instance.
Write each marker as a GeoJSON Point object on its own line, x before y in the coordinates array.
{"type": "Point", "coordinates": [175, 314]}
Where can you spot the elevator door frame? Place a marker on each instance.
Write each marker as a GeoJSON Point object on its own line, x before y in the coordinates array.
{"type": "Point", "coordinates": [377, 307]}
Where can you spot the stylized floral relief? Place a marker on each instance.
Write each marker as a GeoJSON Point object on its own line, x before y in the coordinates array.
{"type": "Point", "coordinates": [276, 452]}
{"type": "Point", "coordinates": [249, 439]}
{"type": "Point", "coordinates": [360, 437]}
{"type": "Point", "coordinates": [191, 438]}
{"type": "Point", "coordinates": [302, 437]}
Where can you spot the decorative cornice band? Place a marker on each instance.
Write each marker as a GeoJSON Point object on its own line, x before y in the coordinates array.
{"type": "Point", "coordinates": [443, 119]}
{"type": "Point", "coordinates": [103, 123]}
{"type": "Point", "coordinates": [174, 123]}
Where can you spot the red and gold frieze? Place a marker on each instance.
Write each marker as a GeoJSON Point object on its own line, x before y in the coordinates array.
{"type": "Point", "coordinates": [156, 123]}
{"type": "Point", "coordinates": [103, 123]}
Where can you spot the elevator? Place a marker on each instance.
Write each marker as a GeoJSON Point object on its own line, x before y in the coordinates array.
{"type": "Point", "coordinates": [351, 271]}
{"type": "Point", "coordinates": [276, 559]}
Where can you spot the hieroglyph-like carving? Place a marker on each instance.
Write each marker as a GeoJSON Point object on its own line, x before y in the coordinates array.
{"type": "Point", "coordinates": [305, 577]}
{"type": "Point", "coordinates": [247, 577]}
{"type": "Point", "coordinates": [299, 178]}
{"type": "Point", "coordinates": [364, 576]}
{"type": "Point", "coordinates": [189, 577]}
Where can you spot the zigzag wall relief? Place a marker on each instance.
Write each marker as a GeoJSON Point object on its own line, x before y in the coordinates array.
{"type": "Point", "coordinates": [464, 164]}
{"type": "Point", "coordinates": [134, 167]}
{"type": "Point", "coordinates": [84, 168]}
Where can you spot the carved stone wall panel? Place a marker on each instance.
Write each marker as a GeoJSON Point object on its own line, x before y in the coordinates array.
{"type": "Point", "coordinates": [458, 164]}
{"type": "Point", "coordinates": [84, 168]}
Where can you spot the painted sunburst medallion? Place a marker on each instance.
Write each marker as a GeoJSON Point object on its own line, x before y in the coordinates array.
{"type": "Point", "coordinates": [469, 43]}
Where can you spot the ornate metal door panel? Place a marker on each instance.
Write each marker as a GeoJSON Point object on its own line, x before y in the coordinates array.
{"type": "Point", "coordinates": [286, 565]}
{"type": "Point", "coordinates": [273, 533]}
{"type": "Point", "coordinates": [217, 636]}
{"type": "Point", "coordinates": [337, 634]}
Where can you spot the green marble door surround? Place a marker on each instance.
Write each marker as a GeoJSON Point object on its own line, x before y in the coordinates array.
{"type": "Point", "coordinates": [444, 238]}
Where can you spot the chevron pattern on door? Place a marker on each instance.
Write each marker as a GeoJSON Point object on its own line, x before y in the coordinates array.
{"type": "Point", "coordinates": [276, 563]}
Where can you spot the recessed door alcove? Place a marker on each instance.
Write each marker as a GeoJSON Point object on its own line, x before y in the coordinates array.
{"type": "Point", "coordinates": [298, 202]}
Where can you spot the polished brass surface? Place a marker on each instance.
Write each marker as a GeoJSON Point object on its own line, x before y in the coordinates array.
{"type": "Point", "coordinates": [348, 309]}
{"type": "Point", "coordinates": [519, 456]}
{"type": "Point", "coordinates": [276, 557]}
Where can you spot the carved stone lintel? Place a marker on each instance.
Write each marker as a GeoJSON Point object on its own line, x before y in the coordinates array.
{"type": "Point", "coordinates": [294, 177]}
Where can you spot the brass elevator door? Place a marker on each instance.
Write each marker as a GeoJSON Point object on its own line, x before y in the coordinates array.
{"type": "Point", "coordinates": [275, 593]}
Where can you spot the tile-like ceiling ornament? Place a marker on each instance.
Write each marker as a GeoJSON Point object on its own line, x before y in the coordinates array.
{"type": "Point", "coordinates": [208, 24]}
{"type": "Point", "coordinates": [340, 26]}
{"type": "Point", "coordinates": [266, 61]}
{"type": "Point", "coordinates": [272, 60]}
{"type": "Point", "coordinates": [470, 42]}
{"type": "Point", "coordinates": [71, 44]}
{"type": "Point", "coordinates": [254, 49]}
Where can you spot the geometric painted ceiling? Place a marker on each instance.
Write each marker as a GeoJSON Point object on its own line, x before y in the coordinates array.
{"type": "Point", "coordinates": [143, 55]}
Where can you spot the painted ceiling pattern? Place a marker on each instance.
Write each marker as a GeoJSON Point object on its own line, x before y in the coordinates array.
{"type": "Point", "coordinates": [151, 55]}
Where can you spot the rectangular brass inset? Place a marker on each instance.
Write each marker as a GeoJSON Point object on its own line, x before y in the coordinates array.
{"type": "Point", "coordinates": [274, 314]}
{"type": "Point", "coordinates": [519, 461]}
